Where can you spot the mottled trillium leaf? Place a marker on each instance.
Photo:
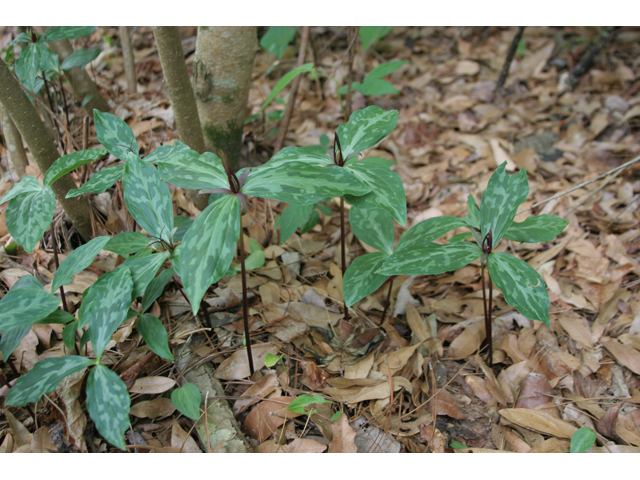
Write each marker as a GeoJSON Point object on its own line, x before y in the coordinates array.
{"type": "Point", "coordinates": [155, 288]}
{"type": "Point", "coordinates": [29, 216]}
{"type": "Point", "coordinates": [143, 267]}
{"type": "Point", "coordinates": [209, 247]}
{"type": "Point", "coordinates": [164, 153]}
{"type": "Point", "coordinates": [80, 58]}
{"type": "Point", "coordinates": [187, 400]}
{"type": "Point", "coordinates": [387, 191]}
{"type": "Point", "coordinates": [25, 304]}
{"type": "Point", "coordinates": [10, 340]}
{"type": "Point", "coordinates": [154, 334]}
{"type": "Point", "coordinates": [302, 184]}
{"type": "Point", "coordinates": [365, 128]}
{"type": "Point", "coordinates": [521, 286]}
{"type": "Point", "coordinates": [57, 316]}
{"type": "Point", "coordinates": [27, 184]}
{"type": "Point", "coordinates": [425, 232]}
{"type": "Point", "coordinates": [374, 227]}
{"type": "Point", "coordinates": [582, 440]}
{"type": "Point", "coordinates": [126, 243]}
{"type": "Point", "coordinates": [99, 181]}
{"type": "Point", "coordinates": [293, 217]}
{"type": "Point", "coordinates": [474, 212]}
{"type": "Point", "coordinates": [108, 403]}
{"type": "Point", "coordinates": [541, 228]}
{"type": "Point", "coordinates": [430, 259]}
{"type": "Point", "coordinates": [297, 155]}
{"type": "Point", "coordinates": [147, 197]}
{"type": "Point", "coordinates": [115, 135]}
{"type": "Point", "coordinates": [43, 378]}
{"type": "Point", "coordinates": [69, 335]}
{"type": "Point", "coordinates": [361, 278]}
{"type": "Point", "coordinates": [183, 224]}
{"type": "Point", "coordinates": [189, 169]}
{"type": "Point", "coordinates": [77, 261]}
{"type": "Point", "coordinates": [500, 202]}
{"type": "Point", "coordinates": [60, 33]}
{"type": "Point", "coordinates": [68, 163]}
{"type": "Point", "coordinates": [28, 66]}
{"type": "Point", "coordinates": [380, 161]}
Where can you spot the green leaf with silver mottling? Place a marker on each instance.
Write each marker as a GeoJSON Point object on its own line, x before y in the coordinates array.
{"type": "Point", "coordinates": [361, 278]}
{"type": "Point", "coordinates": [365, 128]}
{"type": "Point", "coordinates": [165, 152]}
{"type": "Point", "coordinates": [69, 334]}
{"type": "Point", "coordinates": [77, 261]}
{"type": "Point", "coordinates": [57, 316]}
{"type": "Point", "coordinates": [29, 216]}
{"type": "Point", "coordinates": [292, 217]}
{"type": "Point", "coordinates": [126, 243]}
{"type": "Point", "coordinates": [286, 79]}
{"type": "Point", "coordinates": [44, 378]}
{"type": "Point", "coordinates": [541, 228]}
{"type": "Point", "coordinates": [154, 333]}
{"type": "Point", "coordinates": [209, 247]}
{"type": "Point", "coordinates": [27, 184]}
{"type": "Point", "coordinates": [297, 155]}
{"type": "Point", "coordinates": [460, 237]}
{"type": "Point", "coordinates": [383, 162]}
{"type": "Point", "coordinates": [60, 33]}
{"type": "Point", "coordinates": [147, 197]}
{"type": "Point", "coordinates": [187, 400]}
{"type": "Point", "coordinates": [374, 227]}
{"type": "Point", "coordinates": [500, 202]}
{"type": "Point", "coordinates": [99, 181]}
{"type": "Point", "coordinates": [10, 340]}
{"type": "Point", "coordinates": [302, 183]}
{"type": "Point", "coordinates": [155, 288]}
{"type": "Point", "coordinates": [80, 58]}
{"type": "Point", "coordinates": [28, 66]}
{"type": "Point", "coordinates": [108, 304]}
{"type": "Point", "coordinates": [430, 259]}
{"type": "Point", "coordinates": [425, 232]}
{"type": "Point", "coordinates": [175, 259]}
{"type": "Point", "coordinates": [521, 286]}
{"type": "Point", "coordinates": [115, 135]}
{"type": "Point", "coordinates": [189, 169]}
{"type": "Point", "coordinates": [108, 403]}
{"type": "Point", "coordinates": [25, 304]}
{"type": "Point", "coordinates": [143, 269]}
{"type": "Point", "coordinates": [474, 212]}
{"type": "Point", "coordinates": [582, 440]}
{"type": "Point", "coordinates": [387, 191]}
{"type": "Point", "coordinates": [68, 163]}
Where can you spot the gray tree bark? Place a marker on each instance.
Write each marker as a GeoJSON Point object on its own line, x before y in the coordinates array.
{"type": "Point", "coordinates": [129, 60]}
{"type": "Point", "coordinates": [17, 155]}
{"type": "Point", "coordinates": [41, 145]}
{"type": "Point", "coordinates": [222, 78]}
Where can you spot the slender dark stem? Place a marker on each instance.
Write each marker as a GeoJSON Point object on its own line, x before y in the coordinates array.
{"type": "Point", "coordinates": [343, 255]}
{"type": "Point", "coordinates": [388, 302]}
{"type": "Point", "coordinates": [245, 305]}
{"type": "Point", "coordinates": [353, 34]}
{"type": "Point", "coordinates": [487, 316]}
{"type": "Point", "coordinates": [510, 54]}
{"type": "Point", "coordinates": [55, 256]}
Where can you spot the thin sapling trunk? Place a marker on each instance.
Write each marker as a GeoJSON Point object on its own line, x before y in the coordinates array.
{"type": "Point", "coordinates": [245, 304]}
{"type": "Point", "coordinates": [343, 258]}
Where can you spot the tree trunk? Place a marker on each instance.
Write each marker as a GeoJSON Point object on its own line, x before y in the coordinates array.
{"type": "Point", "coordinates": [180, 94]}
{"type": "Point", "coordinates": [129, 60]}
{"type": "Point", "coordinates": [222, 77]}
{"type": "Point", "coordinates": [12, 137]}
{"type": "Point", "coordinates": [79, 79]}
{"type": "Point", "coordinates": [41, 145]}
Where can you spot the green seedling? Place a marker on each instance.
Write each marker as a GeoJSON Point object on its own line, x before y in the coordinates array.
{"type": "Point", "coordinates": [373, 83]}
{"type": "Point", "coordinates": [582, 440]}
{"type": "Point", "coordinates": [276, 39]}
{"type": "Point", "coordinates": [370, 35]}
{"type": "Point", "coordinates": [187, 400]}
{"type": "Point", "coordinates": [303, 401]}
{"type": "Point", "coordinates": [271, 360]}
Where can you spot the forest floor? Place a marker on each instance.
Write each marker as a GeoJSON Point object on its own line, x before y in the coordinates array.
{"type": "Point", "coordinates": [453, 131]}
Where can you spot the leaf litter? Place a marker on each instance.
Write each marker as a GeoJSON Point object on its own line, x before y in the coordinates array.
{"type": "Point", "coordinates": [412, 381]}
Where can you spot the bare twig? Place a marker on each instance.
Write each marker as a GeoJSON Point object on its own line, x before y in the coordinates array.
{"type": "Point", "coordinates": [507, 62]}
{"type": "Point", "coordinates": [353, 34]}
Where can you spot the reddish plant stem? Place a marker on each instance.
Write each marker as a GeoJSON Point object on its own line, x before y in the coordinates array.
{"type": "Point", "coordinates": [487, 316]}
{"type": "Point", "coordinates": [342, 252]}
{"type": "Point", "coordinates": [388, 302]}
{"type": "Point", "coordinates": [55, 256]}
{"type": "Point", "coordinates": [245, 305]}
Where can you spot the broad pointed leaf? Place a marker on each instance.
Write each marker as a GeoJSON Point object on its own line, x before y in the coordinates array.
{"type": "Point", "coordinates": [302, 184]}
{"type": "Point", "coordinates": [57, 316]}
{"type": "Point", "coordinates": [27, 184]}
{"type": "Point", "coordinates": [298, 155]}
{"type": "Point", "coordinates": [384, 69]}
{"type": "Point", "coordinates": [431, 260]}
{"type": "Point", "coordinates": [10, 340]}
{"type": "Point", "coordinates": [365, 128]}
{"type": "Point", "coordinates": [377, 86]}
{"type": "Point", "coordinates": [293, 217]}
{"type": "Point", "coordinates": [582, 440]}
{"type": "Point", "coordinates": [99, 181]}
{"type": "Point", "coordinates": [361, 278]}
{"type": "Point", "coordinates": [155, 335]}
{"type": "Point", "coordinates": [286, 79]}
{"type": "Point", "coordinates": [60, 33]}
{"type": "Point", "coordinates": [522, 287]}
{"type": "Point", "coordinates": [374, 227]}
{"type": "Point", "coordinates": [77, 261]}
{"type": "Point", "coordinates": [126, 243]}
{"type": "Point", "coordinates": [369, 35]}
{"type": "Point", "coordinates": [69, 334]}
{"type": "Point", "coordinates": [187, 400]}
{"type": "Point", "coordinates": [147, 197]}
{"type": "Point", "coordinates": [28, 66]}
{"type": "Point", "coordinates": [276, 40]}
{"type": "Point", "coordinates": [80, 58]}
{"type": "Point", "coordinates": [500, 202]}
{"type": "Point", "coordinates": [44, 378]}
{"type": "Point", "coordinates": [189, 169]}
{"type": "Point", "coordinates": [425, 232]}
{"type": "Point", "coordinates": [25, 304]}
{"type": "Point", "coordinates": [164, 153]}
{"type": "Point", "coordinates": [474, 212]}
{"type": "Point", "coordinates": [143, 269]}
{"type": "Point", "coordinates": [115, 135]}
{"type": "Point", "coordinates": [29, 215]}
{"type": "Point", "coordinates": [155, 288]}
{"type": "Point", "coordinates": [183, 224]}
{"type": "Point", "coordinates": [541, 228]}
{"type": "Point", "coordinates": [108, 403]}
{"type": "Point", "coordinates": [209, 246]}
{"type": "Point", "coordinates": [381, 161]}
{"type": "Point", "coordinates": [68, 163]}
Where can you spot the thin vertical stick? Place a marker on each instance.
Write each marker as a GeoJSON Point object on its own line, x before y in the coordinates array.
{"type": "Point", "coordinates": [342, 252]}
{"type": "Point", "coordinates": [245, 304]}
{"type": "Point", "coordinates": [129, 60]}
{"type": "Point", "coordinates": [288, 113]}
{"type": "Point", "coordinates": [386, 305]}
{"type": "Point", "coordinates": [487, 317]}
{"type": "Point", "coordinates": [55, 256]}
{"type": "Point", "coordinates": [507, 62]}
{"type": "Point", "coordinates": [353, 34]}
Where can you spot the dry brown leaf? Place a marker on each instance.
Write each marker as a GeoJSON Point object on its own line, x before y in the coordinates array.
{"type": "Point", "coordinates": [41, 441]}
{"type": "Point", "coordinates": [625, 354]}
{"type": "Point", "coordinates": [552, 445]}
{"type": "Point", "coordinates": [446, 405]}
{"type": "Point", "coordinates": [628, 427]}
{"type": "Point", "coordinates": [156, 408]}
{"type": "Point", "coordinates": [360, 369]}
{"type": "Point", "coordinates": [286, 328]}
{"type": "Point", "coordinates": [312, 377]}
{"type": "Point", "coordinates": [343, 436]}
{"type": "Point", "coordinates": [417, 324]}
{"type": "Point", "coordinates": [607, 423]}
{"type": "Point", "coordinates": [182, 440]}
{"type": "Point", "coordinates": [539, 422]}
{"type": "Point", "coordinates": [535, 391]}
{"type": "Point", "coordinates": [263, 420]}
{"type": "Point", "coordinates": [68, 390]}
{"type": "Point", "coordinates": [21, 435]}
{"type": "Point", "coordinates": [576, 327]}
{"type": "Point", "coordinates": [468, 341]}
{"type": "Point", "coordinates": [433, 437]}
{"type": "Point", "coordinates": [256, 392]}
{"type": "Point", "coordinates": [236, 366]}
{"type": "Point", "coordinates": [152, 385]}
{"type": "Point", "coordinates": [479, 387]}
{"type": "Point", "coordinates": [397, 359]}
{"type": "Point", "coordinates": [306, 445]}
